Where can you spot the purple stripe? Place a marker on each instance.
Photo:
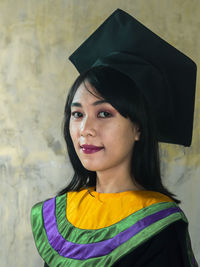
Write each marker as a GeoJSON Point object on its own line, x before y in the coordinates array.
{"type": "Point", "coordinates": [85, 251]}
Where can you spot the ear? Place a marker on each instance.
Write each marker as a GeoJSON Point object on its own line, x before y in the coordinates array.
{"type": "Point", "coordinates": [137, 137]}
{"type": "Point", "coordinates": [137, 132]}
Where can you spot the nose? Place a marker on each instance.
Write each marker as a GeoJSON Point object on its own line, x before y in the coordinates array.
{"type": "Point", "coordinates": [87, 127]}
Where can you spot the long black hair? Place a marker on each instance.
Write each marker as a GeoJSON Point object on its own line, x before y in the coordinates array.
{"type": "Point", "coordinates": [122, 93]}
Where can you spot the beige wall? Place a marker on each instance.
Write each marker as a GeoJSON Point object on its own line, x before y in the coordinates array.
{"type": "Point", "coordinates": [36, 38]}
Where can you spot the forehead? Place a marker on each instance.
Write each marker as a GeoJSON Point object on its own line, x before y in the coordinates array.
{"type": "Point", "coordinates": [85, 90]}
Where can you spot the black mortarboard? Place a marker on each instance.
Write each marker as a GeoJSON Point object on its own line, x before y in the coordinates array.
{"type": "Point", "coordinates": [166, 76]}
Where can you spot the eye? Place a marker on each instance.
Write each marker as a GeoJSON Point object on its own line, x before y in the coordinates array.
{"type": "Point", "coordinates": [73, 114]}
{"type": "Point", "coordinates": [106, 114]}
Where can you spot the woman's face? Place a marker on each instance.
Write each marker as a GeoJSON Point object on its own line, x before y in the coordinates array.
{"type": "Point", "coordinates": [103, 126]}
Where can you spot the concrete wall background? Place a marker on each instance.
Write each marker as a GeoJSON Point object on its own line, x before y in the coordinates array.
{"type": "Point", "coordinates": [36, 38]}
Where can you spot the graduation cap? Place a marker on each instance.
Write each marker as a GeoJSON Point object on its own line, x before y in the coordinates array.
{"type": "Point", "coordinates": [165, 76]}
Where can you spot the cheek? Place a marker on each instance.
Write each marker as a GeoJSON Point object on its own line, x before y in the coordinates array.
{"type": "Point", "coordinates": [72, 131]}
{"type": "Point", "coordinates": [122, 138]}
{"type": "Point", "coordinates": [115, 138]}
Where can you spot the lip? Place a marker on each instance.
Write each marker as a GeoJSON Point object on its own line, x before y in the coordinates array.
{"type": "Point", "coordinates": [89, 149]}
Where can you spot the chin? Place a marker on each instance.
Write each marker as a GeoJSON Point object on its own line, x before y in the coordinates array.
{"type": "Point", "coordinates": [92, 167]}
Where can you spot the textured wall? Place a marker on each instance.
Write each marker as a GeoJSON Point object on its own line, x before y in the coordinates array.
{"type": "Point", "coordinates": [36, 37]}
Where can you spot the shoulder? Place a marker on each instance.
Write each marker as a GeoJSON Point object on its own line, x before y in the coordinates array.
{"type": "Point", "coordinates": [166, 248]}
{"type": "Point", "coordinates": [36, 212]}
{"type": "Point", "coordinates": [156, 196]}
{"type": "Point", "coordinates": [146, 198]}
{"type": "Point", "coordinates": [37, 209]}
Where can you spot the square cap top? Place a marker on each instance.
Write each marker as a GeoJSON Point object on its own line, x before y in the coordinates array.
{"type": "Point", "coordinates": [166, 77]}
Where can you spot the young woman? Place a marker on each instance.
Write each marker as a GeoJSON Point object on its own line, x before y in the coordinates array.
{"type": "Point", "coordinates": [115, 211]}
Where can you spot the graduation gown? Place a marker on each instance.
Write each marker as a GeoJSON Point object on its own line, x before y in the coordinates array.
{"type": "Point", "coordinates": [131, 228]}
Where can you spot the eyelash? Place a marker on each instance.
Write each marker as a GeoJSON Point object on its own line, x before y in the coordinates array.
{"type": "Point", "coordinates": [73, 114]}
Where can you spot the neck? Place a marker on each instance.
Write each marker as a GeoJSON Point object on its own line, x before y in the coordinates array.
{"type": "Point", "coordinates": [116, 185]}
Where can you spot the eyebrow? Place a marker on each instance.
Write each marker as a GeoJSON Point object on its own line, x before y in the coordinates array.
{"type": "Point", "coordinates": [77, 104]}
